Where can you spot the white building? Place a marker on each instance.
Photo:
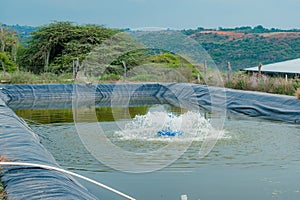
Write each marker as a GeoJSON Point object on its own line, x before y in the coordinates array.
{"type": "Point", "coordinates": [289, 68]}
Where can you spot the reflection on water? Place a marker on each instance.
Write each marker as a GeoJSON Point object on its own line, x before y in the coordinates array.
{"type": "Point", "coordinates": [50, 116]}
{"type": "Point", "coordinates": [104, 114]}
{"type": "Point", "coordinates": [256, 159]}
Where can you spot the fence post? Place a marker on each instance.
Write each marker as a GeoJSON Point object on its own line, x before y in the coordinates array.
{"type": "Point", "coordinates": [125, 69]}
{"type": "Point", "coordinates": [76, 66]}
{"type": "Point", "coordinates": [198, 78]}
{"type": "Point", "coordinates": [229, 71]}
{"type": "Point", "coordinates": [204, 69]}
{"type": "Point", "coordinates": [259, 69]}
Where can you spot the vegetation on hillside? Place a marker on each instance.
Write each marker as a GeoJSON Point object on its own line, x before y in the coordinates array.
{"type": "Point", "coordinates": [48, 55]}
{"type": "Point", "coordinates": [242, 29]}
{"type": "Point", "coordinates": [246, 46]}
{"type": "Point", "coordinates": [243, 46]}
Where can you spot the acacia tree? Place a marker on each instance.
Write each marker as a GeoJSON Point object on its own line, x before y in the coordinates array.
{"type": "Point", "coordinates": [110, 56]}
{"type": "Point", "coordinates": [53, 47]}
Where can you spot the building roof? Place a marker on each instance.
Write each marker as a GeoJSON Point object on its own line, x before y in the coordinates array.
{"type": "Point", "coordinates": [285, 67]}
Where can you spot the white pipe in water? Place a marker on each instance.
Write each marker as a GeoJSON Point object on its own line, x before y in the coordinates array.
{"type": "Point", "coordinates": [67, 172]}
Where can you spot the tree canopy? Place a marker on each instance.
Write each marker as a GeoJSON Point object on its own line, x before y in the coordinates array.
{"type": "Point", "coordinates": [53, 47]}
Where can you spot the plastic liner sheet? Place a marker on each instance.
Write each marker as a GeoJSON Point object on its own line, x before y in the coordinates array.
{"type": "Point", "coordinates": [67, 104]}
{"type": "Point", "coordinates": [277, 107]}
{"type": "Point", "coordinates": [256, 104]}
{"type": "Point", "coordinates": [18, 143]}
{"type": "Point", "coordinates": [66, 91]}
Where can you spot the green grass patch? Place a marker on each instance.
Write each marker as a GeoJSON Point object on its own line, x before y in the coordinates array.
{"type": "Point", "coordinates": [20, 77]}
{"type": "Point", "coordinates": [145, 78]}
{"type": "Point", "coordinates": [110, 77]}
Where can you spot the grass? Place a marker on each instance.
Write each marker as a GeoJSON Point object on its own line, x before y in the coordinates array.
{"type": "Point", "coordinates": [2, 192]}
{"type": "Point", "coordinates": [263, 83]}
{"type": "Point", "coordinates": [2, 189]}
{"type": "Point", "coordinates": [254, 82]}
{"type": "Point", "coordinates": [298, 93]}
{"type": "Point", "coordinates": [20, 77]}
{"type": "Point", "coordinates": [110, 77]}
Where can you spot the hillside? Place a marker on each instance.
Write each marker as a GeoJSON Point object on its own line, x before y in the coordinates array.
{"type": "Point", "coordinates": [242, 46]}
{"type": "Point", "coordinates": [248, 48]}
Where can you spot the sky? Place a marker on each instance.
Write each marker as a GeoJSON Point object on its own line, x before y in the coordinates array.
{"type": "Point", "coordinates": [174, 14]}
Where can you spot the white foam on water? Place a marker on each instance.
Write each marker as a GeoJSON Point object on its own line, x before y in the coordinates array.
{"type": "Point", "coordinates": [145, 127]}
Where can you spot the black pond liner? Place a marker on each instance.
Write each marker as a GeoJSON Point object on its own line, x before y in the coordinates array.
{"type": "Point", "coordinates": [19, 143]}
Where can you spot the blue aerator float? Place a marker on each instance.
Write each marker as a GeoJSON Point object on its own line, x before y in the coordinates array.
{"type": "Point", "coordinates": [167, 130]}
{"type": "Point", "coordinates": [169, 133]}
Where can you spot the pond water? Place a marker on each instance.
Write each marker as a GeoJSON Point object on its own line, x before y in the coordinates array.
{"type": "Point", "coordinates": [254, 159]}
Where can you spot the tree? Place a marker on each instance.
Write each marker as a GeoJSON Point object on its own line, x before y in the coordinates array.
{"type": "Point", "coordinates": [2, 38]}
{"type": "Point", "coordinates": [53, 47]}
{"type": "Point", "coordinates": [8, 49]}
{"type": "Point", "coordinates": [259, 29]}
{"type": "Point", "coordinates": [8, 39]}
{"type": "Point", "coordinates": [108, 57]}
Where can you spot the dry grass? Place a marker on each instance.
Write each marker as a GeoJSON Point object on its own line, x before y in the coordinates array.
{"type": "Point", "coordinates": [298, 93]}
{"type": "Point", "coordinates": [20, 77]}
{"type": "Point", "coordinates": [3, 158]}
{"type": "Point", "coordinates": [2, 189]}
{"type": "Point", "coordinates": [2, 192]}
{"type": "Point", "coordinates": [263, 83]}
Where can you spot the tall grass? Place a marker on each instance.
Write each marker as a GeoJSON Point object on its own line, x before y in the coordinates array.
{"type": "Point", "coordinates": [239, 80]}
{"type": "Point", "coordinates": [298, 93]}
{"type": "Point", "coordinates": [263, 83]}
{"type": "Point", "coordinates": [2, 189]}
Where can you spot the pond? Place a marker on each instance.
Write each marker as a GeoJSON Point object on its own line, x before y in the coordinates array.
{"type": "Point", "coordinates": [254, 158]}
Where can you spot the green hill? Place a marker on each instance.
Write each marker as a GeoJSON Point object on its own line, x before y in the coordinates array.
{"type": "Point", "coordinates": [246, 46]}
{"type": "Point", "coordinates": [242, 46]}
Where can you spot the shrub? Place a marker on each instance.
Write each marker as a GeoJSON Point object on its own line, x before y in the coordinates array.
{"type": "Point", "coordinates": [9, 65]}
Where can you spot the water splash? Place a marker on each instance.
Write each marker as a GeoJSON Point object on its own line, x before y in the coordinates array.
{"type": "Point", "coordinates": [185, 127]}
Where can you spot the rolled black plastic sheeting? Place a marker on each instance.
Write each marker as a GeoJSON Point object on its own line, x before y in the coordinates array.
{"type": "Point", "coordinates": [18, 143]}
